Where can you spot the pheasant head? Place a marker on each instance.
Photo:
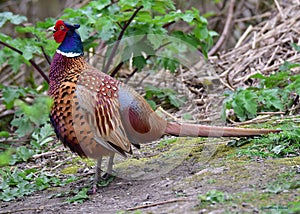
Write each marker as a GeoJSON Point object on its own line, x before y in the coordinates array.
{"type": "Point", "coordinates": [67, 35]}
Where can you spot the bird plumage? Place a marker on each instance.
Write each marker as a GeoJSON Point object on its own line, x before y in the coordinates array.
{"type": "Point", "coordinates": [95, 115]}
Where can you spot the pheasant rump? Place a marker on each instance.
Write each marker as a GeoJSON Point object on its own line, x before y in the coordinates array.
{"type": "Point", "coordinates": [95, 115]}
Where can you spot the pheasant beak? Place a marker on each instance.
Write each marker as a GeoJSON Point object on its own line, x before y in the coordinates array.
{"type": "Point", "coordinates": [52, 29]}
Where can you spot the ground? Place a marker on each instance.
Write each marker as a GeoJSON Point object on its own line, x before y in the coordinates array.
{"type": "Point", "coordinates": [169, 176]}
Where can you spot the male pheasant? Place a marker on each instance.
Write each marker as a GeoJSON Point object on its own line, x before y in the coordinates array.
{"type": "Point", "coordinates": [95, 115]}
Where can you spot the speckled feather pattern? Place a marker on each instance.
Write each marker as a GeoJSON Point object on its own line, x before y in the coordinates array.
{"type": "Point", "coordinates": [85, 114]}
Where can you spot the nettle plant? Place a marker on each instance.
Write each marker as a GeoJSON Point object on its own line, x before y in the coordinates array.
{"type": "Point", "coordinates": [276, 92]}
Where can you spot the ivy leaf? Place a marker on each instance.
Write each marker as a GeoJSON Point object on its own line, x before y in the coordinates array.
{"type": "Point", "coordinates": [237, 106]}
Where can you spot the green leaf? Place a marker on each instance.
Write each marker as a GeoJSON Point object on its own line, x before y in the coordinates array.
{"type": "Point", "coordinates": [24, 126]}
{"type": "Point", "coordinates": [38, 112]}
{"type": "Point", "coordinates": [188, 16]}
{"type": "Point", "coordinates": [24, 153]}
{"type": "Point", "coordinates": [152, 104]}
{"type": "Point", "coordinates": [100, 4]}
{"type": "Point", "coordinates": [175, 101]}
{"type": "Point", "coordinates": [271, 99]}
{"type": "Point", "coordinates": [80, 197]}
{"type": "Point", "coordinates": [245, 104]}
{"type": "Point", "coordinates": [139, 62]}
{"type": "Point", "coordinates": [10, 94]}
{"type": "Point", "coordinates": [128, 4]}
{"type": "Point", "coordinates": [5, 157]}
{"type": "Point", "coordinates": [296, 47]}
{"type": "Point", "coordinates": [4, 134]}
{"type": "Point", "coordinates": [250, 102]}
{"type": "Point", "coordinates": [9, 16]}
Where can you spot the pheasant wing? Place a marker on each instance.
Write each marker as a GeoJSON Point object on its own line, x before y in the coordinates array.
{"type": "Point", "coordinates": [97, 96]}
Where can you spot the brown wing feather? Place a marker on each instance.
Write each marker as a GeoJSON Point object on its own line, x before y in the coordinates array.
{"type": "Point", "coordinates": [97, 96]}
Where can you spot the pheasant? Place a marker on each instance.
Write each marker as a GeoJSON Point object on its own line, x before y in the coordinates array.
{"type": "Point", "coordinates": [96, 115]}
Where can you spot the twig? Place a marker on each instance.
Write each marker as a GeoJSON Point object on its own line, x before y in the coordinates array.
{"type": "Point", "coordinates": [43, 154]}
{"type": "Point", "coordinates": [62, 163]}
{"type": "Point", "coordinates": [39, 70]}
{"type": "Point", "coordinates": [116, 69]}
{"type": "Point", "coordinates": [260, 119]}
{"type": "Point", "coordinates": [279, 9]}
{"type": "Point", "coordinates": [226, 29]}
{"type": "Point", "coordinates": [271, 113]}
{"type": "Point", "coordinates": [45, 55]}
{"type": "Point", "coordinates": [260, 16]}
{"type": "Point", "coordinates": [245, 34]}
{"type": "Point", "coordinates": [159, 203]}
{"type": "Point", "coordinates": [166, 113]}
{"type": "Point", "coordinates": [113, 52]}
{"type": "Point", "coordinates": [43, 51]}
{"type": "Point", "coordinates": [31, 61]}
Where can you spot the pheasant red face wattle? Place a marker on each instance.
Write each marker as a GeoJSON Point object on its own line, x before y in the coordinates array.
{"type": "Point", "coordinates": [60, 31]}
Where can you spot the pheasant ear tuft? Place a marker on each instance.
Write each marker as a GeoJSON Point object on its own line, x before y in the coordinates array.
{"type": "Point", "coordinates": [76, 26]}
{"type": "Point", "coordinates": [70, 26]}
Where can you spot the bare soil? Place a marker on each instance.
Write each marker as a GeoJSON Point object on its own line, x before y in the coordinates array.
{"type": "Point", "coordinates": [152, 181]}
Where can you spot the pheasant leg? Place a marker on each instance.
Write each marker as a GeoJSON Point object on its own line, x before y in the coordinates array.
{"type": "Point", "coordinates": [97, 176]}
{"type": "Point", "coordinates": [109, 167]}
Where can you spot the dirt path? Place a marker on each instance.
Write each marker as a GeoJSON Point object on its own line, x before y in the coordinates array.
{"type": "Point", "coordinates": [245, 182]}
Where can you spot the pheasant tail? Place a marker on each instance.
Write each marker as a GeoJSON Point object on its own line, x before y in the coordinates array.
{"type": "Point", "coordinates": [195, 130]}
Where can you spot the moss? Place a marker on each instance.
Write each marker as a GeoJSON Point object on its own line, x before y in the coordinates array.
{"type": "Point", "coordinates": [70, 170]}
{"type": "Point", "coordinates": [285, 161]}
{"type": "Point", "coordinates": [163, 162]}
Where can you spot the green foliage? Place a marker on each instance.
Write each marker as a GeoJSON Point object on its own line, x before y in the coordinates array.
{"type": "Point", "coordinates": [272, 94]}
{"type": "Point", "coordinates": [169, 96]}
{"type": "Point", "coordinates": [40, 137]}
{"type": "Point", "coordinates": [28, 117]}
{"type": "Point", "coordinates": [213, 197]}
{"type": "Point", "coordinates": [80, 196]}
{"type": "Point", "coordinates": [9, 16]}
{"type": "Point", "coordinates": [283, 144]}
{"type": "Point", "coordinates": [102, 19]}
{"type": "Point", "coordinates": [16, 183]}
{"type": "Point", "coordinates": [5, 157]}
